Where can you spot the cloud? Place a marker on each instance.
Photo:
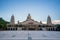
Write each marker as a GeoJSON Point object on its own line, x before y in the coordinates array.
{"type": "Point", "coordinates": [44, 22]}
{"type": "Point", "coordinates": [53, 22]}
{"type": "Point", "coordinates": [56, 21]}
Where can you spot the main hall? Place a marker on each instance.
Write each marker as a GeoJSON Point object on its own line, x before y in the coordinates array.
{"type": "Point", "coordinates": [30, 24]}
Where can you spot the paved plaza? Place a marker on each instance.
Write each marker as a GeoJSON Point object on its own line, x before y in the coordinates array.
{"type": "Point", "coordinates": [29, 35]}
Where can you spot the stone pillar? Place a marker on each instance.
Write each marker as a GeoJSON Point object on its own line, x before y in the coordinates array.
{"type": "Point", "coordinates": [55, 28]}
{"type": "Point", "coordinates": [36, 27]}
{"type": "Point", "coordinates": [14, 28]}
{"type": "Point", "coordinates": [10, 28]}
{"type": "Point", "coordinates": [50, 29]}
{"type": "Point", "coordinates": [27, 28]}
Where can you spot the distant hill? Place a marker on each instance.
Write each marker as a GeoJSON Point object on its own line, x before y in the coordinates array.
{"type": "Point", "coordinates": [3, 24]}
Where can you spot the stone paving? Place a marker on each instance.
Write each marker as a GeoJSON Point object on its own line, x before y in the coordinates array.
{"type": "Point", "coordinates": [29, 35]}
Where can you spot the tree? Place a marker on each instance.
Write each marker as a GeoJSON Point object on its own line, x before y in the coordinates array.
{"type": "Point", "coordinates": [58, 28]}
{"type": "Point", "coordinates": [3, 24]}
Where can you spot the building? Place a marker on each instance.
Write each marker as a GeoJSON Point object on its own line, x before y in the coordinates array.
{"type": "Point", "coordinates": [31, 24]}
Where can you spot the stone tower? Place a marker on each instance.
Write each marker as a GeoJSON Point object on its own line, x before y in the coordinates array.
{"type": "Point", "coordinates": [49, 20]}
{"type": "Point", "coordinates": [12, 21]}
{"type": "Point", "coordinates": [40, 22]}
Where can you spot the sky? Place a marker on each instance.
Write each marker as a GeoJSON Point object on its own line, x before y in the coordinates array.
{"type": "Point", "coordinates": [38, 9]}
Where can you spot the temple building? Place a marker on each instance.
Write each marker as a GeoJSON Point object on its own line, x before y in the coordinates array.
{"type": "Point", "coordinates": [31, 24]}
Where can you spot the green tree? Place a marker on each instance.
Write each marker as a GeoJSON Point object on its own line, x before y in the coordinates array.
{"type": "Point", "coordinates": [58, 27]}
{"type": "Point", "coordinates": [3, 24]}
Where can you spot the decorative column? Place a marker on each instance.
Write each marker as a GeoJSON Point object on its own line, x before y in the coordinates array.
{"type": "Point", "coordinates": [36, 27]}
